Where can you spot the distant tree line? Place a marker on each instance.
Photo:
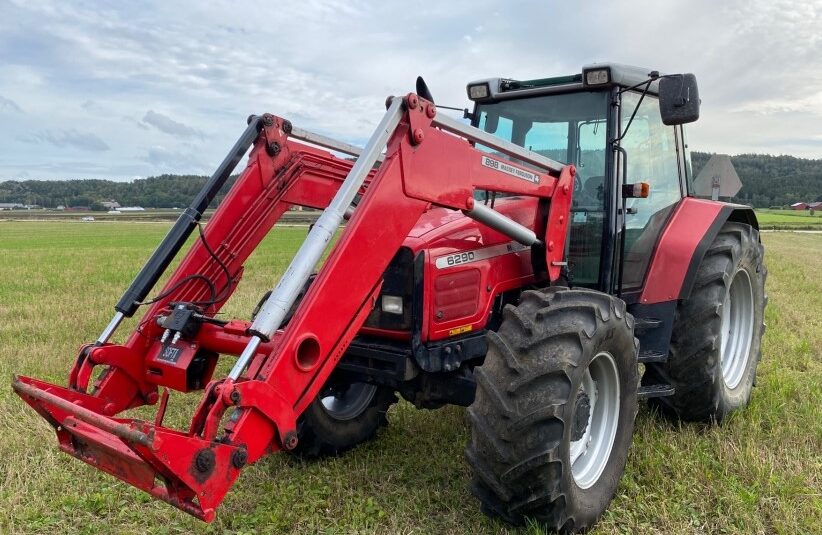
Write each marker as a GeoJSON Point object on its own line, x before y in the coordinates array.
{"type": "Point", "coordinates": [772, 181]}
{"type": "Point", "coordinates": [164, 191]}
{"type": "Point", "coordinates": [767, 181]}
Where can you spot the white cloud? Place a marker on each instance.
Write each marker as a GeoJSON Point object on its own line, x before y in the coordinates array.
{"type": "Point", "coordinates": [168, 125]}
{"type": "Point", "coordinates": [70, 138]}
{"type": "Point", "coordinates": [8, 105]}
{"type": "Point", "coordinates": [201, 68]}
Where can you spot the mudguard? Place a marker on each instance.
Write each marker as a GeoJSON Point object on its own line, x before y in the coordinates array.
{"type": "Point", "coordinates": [691, 229]}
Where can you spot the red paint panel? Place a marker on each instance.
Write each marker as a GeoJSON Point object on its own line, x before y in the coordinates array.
{"type": "Point", "coordinates": [676, 247]}
{"type": "Point", "coordinates": [457, 295]}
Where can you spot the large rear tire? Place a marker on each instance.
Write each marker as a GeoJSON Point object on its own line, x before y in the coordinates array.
{"type": "Point", "coordinates": [344, 415]}
{"type": "Point", "coordinates": [716, 340]}
{"type": "Point", "coordinates": [554, 411]}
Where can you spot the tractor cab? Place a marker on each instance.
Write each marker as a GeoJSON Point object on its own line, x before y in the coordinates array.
{"type": "Point", "coordinates": [621, 127]}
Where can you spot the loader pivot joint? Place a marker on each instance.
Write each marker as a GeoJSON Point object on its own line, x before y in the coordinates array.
{"type": "Point", "coordinates": [239, 458]}
{"type": "Point", "coordinates": [204, 463]}
{"type": "Point", "coordinates": [273, 149]}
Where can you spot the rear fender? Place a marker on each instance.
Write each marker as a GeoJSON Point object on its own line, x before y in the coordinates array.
{"type": "Point", "coordinates": [690, 232]}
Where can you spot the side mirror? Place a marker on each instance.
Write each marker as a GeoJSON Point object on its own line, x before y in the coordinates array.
{"type": "Point", "coordinates": [491, 122]}
{"type": "Point", "coordinates": [678, 99]}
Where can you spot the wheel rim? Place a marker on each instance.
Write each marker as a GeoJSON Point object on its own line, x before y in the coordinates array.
{"type": "Point", "coordinates": [349, 402]}
{"type": "Point", "coordinates": [589, 454]}
{"type": "Point", "coordinates": [737, 329]}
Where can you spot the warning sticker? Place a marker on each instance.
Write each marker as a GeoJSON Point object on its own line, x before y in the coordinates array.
{"type": "Point", "coordinates": [510, 169]}
{"type": "Point", "coordinates": [461, 330]}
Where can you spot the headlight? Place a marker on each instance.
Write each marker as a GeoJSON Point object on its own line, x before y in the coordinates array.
{"type": "Point", "coordinates": [479, 91]}
{"type": "Point", "coordinates": [392, 304]}
{"type": "Point", "coordinates": [597, 77]}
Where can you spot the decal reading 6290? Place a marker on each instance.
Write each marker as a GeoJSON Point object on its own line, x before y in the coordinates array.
{"type": "Point", "coordinates": [510, 169]}
{"type": "Point", "coordinates": [457, 259]}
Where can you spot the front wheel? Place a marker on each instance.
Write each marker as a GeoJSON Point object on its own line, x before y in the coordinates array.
{"type": "Point", "coordinates": [554, 411]}
{"type": "Point", "coordinates": [344, 414]}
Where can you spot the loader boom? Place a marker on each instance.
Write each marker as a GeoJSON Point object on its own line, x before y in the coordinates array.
{"type": "Point", "coordinates": [428, 160]}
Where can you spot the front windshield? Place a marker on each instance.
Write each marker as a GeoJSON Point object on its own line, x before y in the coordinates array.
{"type": "Point", "coordinates": [569, 128]}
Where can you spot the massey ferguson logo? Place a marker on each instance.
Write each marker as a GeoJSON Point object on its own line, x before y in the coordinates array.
{"type": "Point", "coordinates": [510, 169]}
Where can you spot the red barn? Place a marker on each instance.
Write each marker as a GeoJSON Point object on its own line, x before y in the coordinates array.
{"type": "Point", "coordinates": [799, 206]}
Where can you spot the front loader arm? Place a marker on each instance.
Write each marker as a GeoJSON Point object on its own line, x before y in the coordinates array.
{"type": "Point", "coordinates": [428, 160]}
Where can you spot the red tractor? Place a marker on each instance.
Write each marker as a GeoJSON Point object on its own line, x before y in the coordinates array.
{"type": "Point", "coordinates": [474, 269]}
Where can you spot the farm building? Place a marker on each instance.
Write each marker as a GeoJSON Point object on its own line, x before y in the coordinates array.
{"type": "Point", "coordinates": [799, 206]}
{"type": "Point", "coordinates": [815, 206]}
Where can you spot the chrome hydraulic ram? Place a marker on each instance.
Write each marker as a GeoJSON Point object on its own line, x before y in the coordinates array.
{"type": "Point", "coordinates": [505, 225]}
{"type": "Point", "coordinates": [308, 256]}
{"type": "Point", "coordinates": [179, 233]}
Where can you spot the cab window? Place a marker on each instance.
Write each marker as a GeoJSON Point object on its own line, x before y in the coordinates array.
{"type": "Point", "coordinates": [568, 128]}
{"type": "Point", "coordinates": [652, 157]}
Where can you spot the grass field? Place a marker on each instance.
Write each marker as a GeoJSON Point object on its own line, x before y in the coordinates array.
{"type": "Point", "coordinates": [789, 219]}
{"type": "Point", "coordinates": [759, 473]}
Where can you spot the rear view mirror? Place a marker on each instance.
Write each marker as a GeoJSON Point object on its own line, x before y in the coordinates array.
{"type": "Point", "coordinates": [678, 99]}
{"type": "Point", "coordinates": [491, 122]}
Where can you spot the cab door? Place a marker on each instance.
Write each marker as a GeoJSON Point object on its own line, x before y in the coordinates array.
{"type": "Point", "coordinates": [653, 156]}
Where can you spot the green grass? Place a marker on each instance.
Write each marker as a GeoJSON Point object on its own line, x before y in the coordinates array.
{"type": "Point", "coordinates": [789, 219]}
{"type": "Point", "coordinates": [761, 472]}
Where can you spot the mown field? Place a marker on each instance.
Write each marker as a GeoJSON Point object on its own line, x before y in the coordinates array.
{"type": "Point", "coordinates": [789, 219]}
{"type": "Point", "coordinates": [761, 472]}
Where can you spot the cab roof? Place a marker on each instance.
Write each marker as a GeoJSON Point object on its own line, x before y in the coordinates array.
{"type": "Point", "coordinates": [615, 74]}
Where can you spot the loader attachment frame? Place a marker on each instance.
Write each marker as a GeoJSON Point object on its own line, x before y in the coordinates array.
{"type": "Point", "coordinates": [428, 160]}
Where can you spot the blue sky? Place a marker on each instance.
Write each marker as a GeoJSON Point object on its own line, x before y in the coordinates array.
{"type": "Point", "coordinates": [123, 90]}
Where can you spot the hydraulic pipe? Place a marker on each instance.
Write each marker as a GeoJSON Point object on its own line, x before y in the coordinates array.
{"type": "Point", "coordinates": [179, 233]}
{"type": "Point", "coordinates": [326, 142]}
{"type": "Point", "coordinates": [505, 225]}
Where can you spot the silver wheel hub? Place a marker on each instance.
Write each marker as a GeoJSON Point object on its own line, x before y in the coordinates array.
{"type": "Point", "coordinates": [737, 329]}
{"type": "Point", "coordinates": [348, 402]}
{"type": "Point", "coordinates": [595, 433]}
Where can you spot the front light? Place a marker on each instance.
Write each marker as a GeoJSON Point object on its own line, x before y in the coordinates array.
{"type": "Point", "coordinates": [392, 304]}
{"type": "Point", "coordinates": [597, 77]}
{"type": "Point", "coordinates": [479, 91]}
